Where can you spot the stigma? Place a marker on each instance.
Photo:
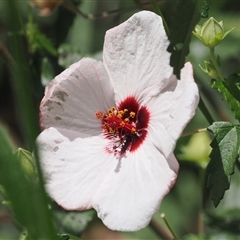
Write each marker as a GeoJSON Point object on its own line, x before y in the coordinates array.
{"type": "Point", "coordinates": [125, 125]}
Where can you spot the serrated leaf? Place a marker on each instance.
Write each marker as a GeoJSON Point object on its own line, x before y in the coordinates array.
{"type": "Point", "coordinates": [233, 83]}
{"type": "Point", "coordinates": [233, 103]}
{"type": "Point", "coordinates": [186, 16]}
{"type": "Point", "coordinates": [225, 150]}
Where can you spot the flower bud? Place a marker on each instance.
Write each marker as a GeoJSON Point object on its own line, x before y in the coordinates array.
{"type": "Point", "coordinates": [209, 69]}
{"type": "Point", "coordinates": [3, 192]}
{"type": "Point", "coordinates": [26, 162]}
{"type": "Point", "coordinates": [211, 33]}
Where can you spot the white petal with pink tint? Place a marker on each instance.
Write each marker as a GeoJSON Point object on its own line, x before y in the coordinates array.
{"type": "Point", "coordinates": [73, 97]}
{"type": "Point", "coordinates": [136, 58]}
{"type": "Point", "coordinates": [129, 196]}
{"type": "Point", "coordinates": [73, 170]}
{"type": "Point", "coordinates": [122, 163]}
{"type": "Point", "coordinates": [172, 110]}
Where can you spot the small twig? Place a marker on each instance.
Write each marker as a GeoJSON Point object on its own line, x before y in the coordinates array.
{"type": "Point", "coordinates": [160, 230]}
{"type": "Point", "coordinates": [205, 111]}
{"type": "Point", "coordinates": [193, 132]}
{"type": "Point", "coordinates": [5, 53]}
{"type": "Point", "coordinates": [174, 236]}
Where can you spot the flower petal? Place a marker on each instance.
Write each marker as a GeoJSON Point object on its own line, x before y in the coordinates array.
{"type": "Point", "coordinates": [172, 110]}
{"type": "Point", "coordinates": [73, 97]}
{"type": "Point", "coordinates": [128, 198]}
{"type": "Point", "coordinates": [73, 170]}
{"type": "Point", "coordinates": [136, 58]}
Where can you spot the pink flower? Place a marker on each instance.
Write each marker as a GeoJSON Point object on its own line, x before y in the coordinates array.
{"type": "Point", "coordinates": [110, 127]}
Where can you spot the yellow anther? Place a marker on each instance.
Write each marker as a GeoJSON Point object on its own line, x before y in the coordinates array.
{"type": "Point", "coordinates": [99, 115]}
{"type": "Point", "coordinates": [133, 130]}
{"type": "Point", "coordinates": [121, 111]}
{"type": "Point", "coordinates": [122, 124]}
{"type": "Point", "coordinates": [111, 110]}
{"type": "Point", "coordinates": [132, 114]}
{"type": "Point", "coordinates": [117, 122]}
{"type": "Point", "coordinates": [111, 130]}
{"type": "Point", "coordinates": [119, 115]}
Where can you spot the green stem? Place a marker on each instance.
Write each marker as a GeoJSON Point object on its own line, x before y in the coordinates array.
{"type": "Point", "coordinates": [205, 111]}
{"type": "Point", "coordinates": [202, 183]}
{"type": "Point", "coordinates": [193, 132]}
{"type": "Point", "coordinates": [160, 230]}
{"type": "Point", "coordinates": [218, 70]}
{"type": "Point", "coordinates": [175, 237]}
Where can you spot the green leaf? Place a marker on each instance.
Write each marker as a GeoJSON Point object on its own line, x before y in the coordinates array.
{"type": "Point", "coordinates": [233, 83]}
{"type": "Point", "coordinates": [226, 220]}
{"type": "Point", "coordinates": [73, 221]}
{"type": "Point", "coordinates": [23, 196]}
{"type": "Point", "coordinates": [37, 40]}
{"type": "Point", "coordinates": [157, 10]}
{"type": "Point", "coordinates": [66, 236]}
{"type": "Point", "coordinates": [225, 151]}
{"type": "Point", "coordinates": [186, 16]}
{"type": "Point", "coordinates": [30, 204]}
{"type": "Point", "coordinates": [205, 8]}
{"type": "Point", "coordinates": [229, 92]}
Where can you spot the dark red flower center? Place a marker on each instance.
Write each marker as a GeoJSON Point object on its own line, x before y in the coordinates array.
{"type": "Point", "coordinates": [126, 125]}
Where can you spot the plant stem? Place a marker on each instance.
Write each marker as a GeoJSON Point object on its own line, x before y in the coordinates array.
{"type": "Point", "coordinates": [202, 183]}
{"type": "Point", "coordinates": [159, 230]}
{"type": "Point", "coordinates": [5, 53]}
{"type": "Point", "coordinates": [218, 70]}
{"type": "Point", "coordinates": [205, 111]}
{"type": "Point", "coordinates": [175, 237]}
{"type": "Point", "coordinates": [193, 132]}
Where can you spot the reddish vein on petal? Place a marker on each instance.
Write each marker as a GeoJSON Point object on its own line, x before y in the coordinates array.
{"type": "Point", "coordinates": [126, 125]}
